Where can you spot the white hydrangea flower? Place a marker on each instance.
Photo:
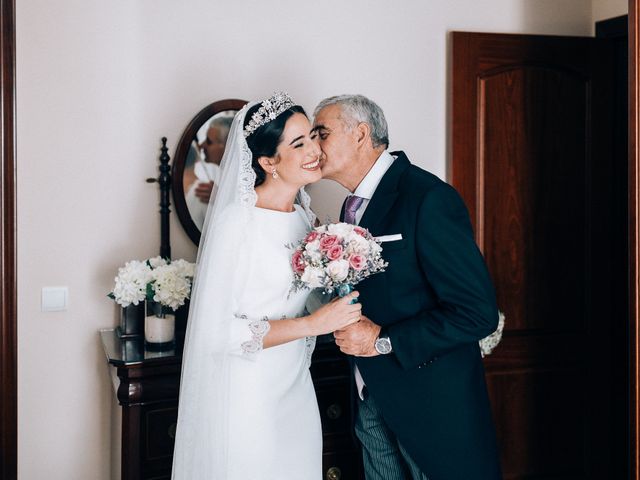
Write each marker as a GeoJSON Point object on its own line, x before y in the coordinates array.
{"type": "Point", "coordinates": [184, 268]}
{"type": "Point", "coordinates": [156, 262]}
{"type": "Point", "coordinates": [131, 283]}
{"type": "Point", "coordinates": [170, 287]}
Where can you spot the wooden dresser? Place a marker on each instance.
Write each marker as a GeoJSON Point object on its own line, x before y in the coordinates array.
{"type": "Point", "coordinates": [147, 385]}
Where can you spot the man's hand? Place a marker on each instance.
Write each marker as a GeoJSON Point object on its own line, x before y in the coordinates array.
{"type": "Point", "coordinates": [359, 338]}
{"type": "Point", "coordinates": [203, 191]}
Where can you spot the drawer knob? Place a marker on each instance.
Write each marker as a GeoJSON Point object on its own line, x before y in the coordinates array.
{"type": "Point", "coordinates": [334, 411]}
{"type": "Point", "coordinates": [334, 473]}
{"type": "Point", "coordinates": [172, 430]}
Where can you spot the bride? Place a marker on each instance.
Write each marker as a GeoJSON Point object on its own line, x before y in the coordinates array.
{"type": "Point", "coordinates": [248, 409]}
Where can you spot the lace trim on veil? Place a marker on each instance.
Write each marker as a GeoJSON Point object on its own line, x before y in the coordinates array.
{"type": "Point", "coordinates": [305, 202]}
{"type": "Point", "coordinates": [247, 181]}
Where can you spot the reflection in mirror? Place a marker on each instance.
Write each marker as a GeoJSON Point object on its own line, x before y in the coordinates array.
{"type": "Point", "coordinates": [196, 163]}
{"type": "Point", "coordinates": [202, 164]}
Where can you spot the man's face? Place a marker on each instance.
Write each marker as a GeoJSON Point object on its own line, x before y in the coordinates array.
{"type": "Point", "coordinates": [213, 146]}
{"type": "Point", "coordinates": [337, 142]}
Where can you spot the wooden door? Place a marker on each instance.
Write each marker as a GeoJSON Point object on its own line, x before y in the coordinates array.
{"type": "Point", "coordinates": [8, 235]}
{"type": "Point", "coordinates": [531, 156]}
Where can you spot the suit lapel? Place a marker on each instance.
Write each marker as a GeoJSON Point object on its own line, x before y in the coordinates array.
{"type": "Point", "coordinates": [385, 195]}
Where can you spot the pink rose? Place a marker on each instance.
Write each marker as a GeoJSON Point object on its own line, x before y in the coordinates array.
{"type": "Point", "coordinates": [297, 262]}
{"type": "Point", "coordinates": [360, 231]}
{"type": "Point", "coordinates": [335, 252]}
{"type": "Point", "coordinates": [328, 241]}
{"type": "Point", "coordinates": [357, 262]}
{"type": "Point", "coordinates": [311, 236]}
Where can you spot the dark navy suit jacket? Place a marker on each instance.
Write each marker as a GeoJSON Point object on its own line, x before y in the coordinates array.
{"type": "Point", "coordinates": [435, 301]}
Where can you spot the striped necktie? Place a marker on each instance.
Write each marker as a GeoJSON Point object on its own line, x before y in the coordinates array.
{"type": "Point", "coordinates": [351, 206]}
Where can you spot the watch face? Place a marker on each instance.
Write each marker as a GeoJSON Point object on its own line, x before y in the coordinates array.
{"type": "Point", "coordinates": [383, 346]}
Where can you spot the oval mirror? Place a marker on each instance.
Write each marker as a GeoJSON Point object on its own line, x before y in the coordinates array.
{"type": "Point", "coordinates": [196, 162]}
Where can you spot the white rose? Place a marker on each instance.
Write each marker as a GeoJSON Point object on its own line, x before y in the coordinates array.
{"type": "Point", "coordinates": [342, 230]}
{"type": "Point", "coordinates": [312, 276]}
{"type": "Point", "coordinates": [315, 256]}
{"type": "Point", "coordinates": [313, 247]}
{"type": "Point", "coordinates": [338, 270]}
{"type": "Point", "coordinates": [358, 244]}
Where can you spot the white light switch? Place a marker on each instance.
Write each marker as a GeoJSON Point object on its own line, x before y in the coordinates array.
{"type": "Point", "coordinates": [54, 299]}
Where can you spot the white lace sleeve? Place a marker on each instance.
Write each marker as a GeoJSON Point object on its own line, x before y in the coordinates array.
{"type": "Point", "coordinates": [248, 336]}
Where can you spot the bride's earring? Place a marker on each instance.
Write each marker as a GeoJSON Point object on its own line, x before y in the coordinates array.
{"type": "Point", "coordinates": [274, 173]}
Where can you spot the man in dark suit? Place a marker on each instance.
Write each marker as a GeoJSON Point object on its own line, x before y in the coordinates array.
{"type": "Point", "coordinates": [423, 408]}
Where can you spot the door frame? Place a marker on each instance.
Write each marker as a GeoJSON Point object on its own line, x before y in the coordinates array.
{"type": "Point", "coordinates": [8, 272]}
{"type": "Point", "coordinates": [634, 235]}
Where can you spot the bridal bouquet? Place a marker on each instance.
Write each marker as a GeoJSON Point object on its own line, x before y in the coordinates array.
{"type": "Point", "coordinates": [335, 257]}
{"type": "Point", "coordinates": [164, 281]}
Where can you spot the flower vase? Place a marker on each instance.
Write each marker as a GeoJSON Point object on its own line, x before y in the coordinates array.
{"type": "Point", "coordinates": [159, 327]}
{"type": "Point", "coordinates": [181, 321]}
{"type": "Point", "coordinates": [131, 321]}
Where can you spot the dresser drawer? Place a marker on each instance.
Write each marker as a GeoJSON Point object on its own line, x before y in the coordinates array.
{"type": "Point", "coordinates": [158, 438]}
{"type": "Point", "coordinates": [329, 364]}
{"type": "Point", "coordinates": [334, 403]}
{"type": "Point", "coordinates": [345, 465]}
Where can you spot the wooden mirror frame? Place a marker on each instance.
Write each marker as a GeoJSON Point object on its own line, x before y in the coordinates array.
{"type": "Point", "coordinates": [180, 157]}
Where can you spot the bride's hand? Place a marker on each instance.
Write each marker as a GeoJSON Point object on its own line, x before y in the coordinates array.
{"type": "Point", "coordinates": [335, 315]}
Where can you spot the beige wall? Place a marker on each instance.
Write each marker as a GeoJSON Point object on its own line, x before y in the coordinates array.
{"type": "Point", "coordinates": [98, 84]}
{"type": "Point", "coordinates": [604, 9]}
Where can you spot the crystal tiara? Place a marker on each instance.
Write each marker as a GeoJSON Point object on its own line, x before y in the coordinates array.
{"type": "Point", "coordinates": [268, 111]}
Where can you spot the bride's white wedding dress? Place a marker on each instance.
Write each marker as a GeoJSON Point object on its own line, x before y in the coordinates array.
{"type": "Point", "coordinates": [274, 424]}
{"type": "Point", "coordinates": [268, 424]}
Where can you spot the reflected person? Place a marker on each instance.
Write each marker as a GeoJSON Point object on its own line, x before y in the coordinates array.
{"type": "Point", "coordinates": [207, 168]}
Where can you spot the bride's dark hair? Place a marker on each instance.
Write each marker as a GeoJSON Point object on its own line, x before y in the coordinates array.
{"type": "Point", "coordinates": [264, 141]}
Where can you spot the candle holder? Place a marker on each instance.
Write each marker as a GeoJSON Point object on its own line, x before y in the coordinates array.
{"type": "Point", "coordinates": [159, 327]}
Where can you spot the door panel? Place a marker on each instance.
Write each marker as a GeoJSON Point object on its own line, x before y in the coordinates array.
{"type": "Point", "coordinates": [531, 156]}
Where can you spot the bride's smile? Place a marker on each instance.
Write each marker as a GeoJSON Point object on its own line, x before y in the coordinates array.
{"type": "Point", "coordinates": [312, 165]}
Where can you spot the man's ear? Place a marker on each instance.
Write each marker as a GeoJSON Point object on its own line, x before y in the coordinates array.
{"type": "Point", "coordinates": [363, 134]}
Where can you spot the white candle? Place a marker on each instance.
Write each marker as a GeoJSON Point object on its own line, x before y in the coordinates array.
{"type": "Point", "coordinates": [158, 329]}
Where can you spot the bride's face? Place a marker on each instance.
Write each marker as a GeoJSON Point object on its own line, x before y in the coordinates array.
{"type": "Point", "coordinates": [298, 155]}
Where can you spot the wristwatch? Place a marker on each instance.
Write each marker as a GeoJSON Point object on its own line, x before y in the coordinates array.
{"type": "Point", "coordinates": [383, 343]}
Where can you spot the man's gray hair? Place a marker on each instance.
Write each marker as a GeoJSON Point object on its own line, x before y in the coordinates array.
{"type": "Point", "coordinates": [223, 124]}
{"type": "Point", "coordinates": [356, 109]}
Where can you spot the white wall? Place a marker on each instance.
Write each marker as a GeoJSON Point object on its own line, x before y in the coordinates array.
{"type": "Point", "coordinates": [98, 84]}
{"type": "Point", "coordinates": [604, 9]}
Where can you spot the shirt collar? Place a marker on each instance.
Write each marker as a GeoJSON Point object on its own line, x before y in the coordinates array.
{"type": "Point", "coordinates": [371, 180]}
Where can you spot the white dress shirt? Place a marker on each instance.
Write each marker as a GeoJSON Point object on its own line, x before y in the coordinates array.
{"type": "Point", "coordinates": [366, 189]}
